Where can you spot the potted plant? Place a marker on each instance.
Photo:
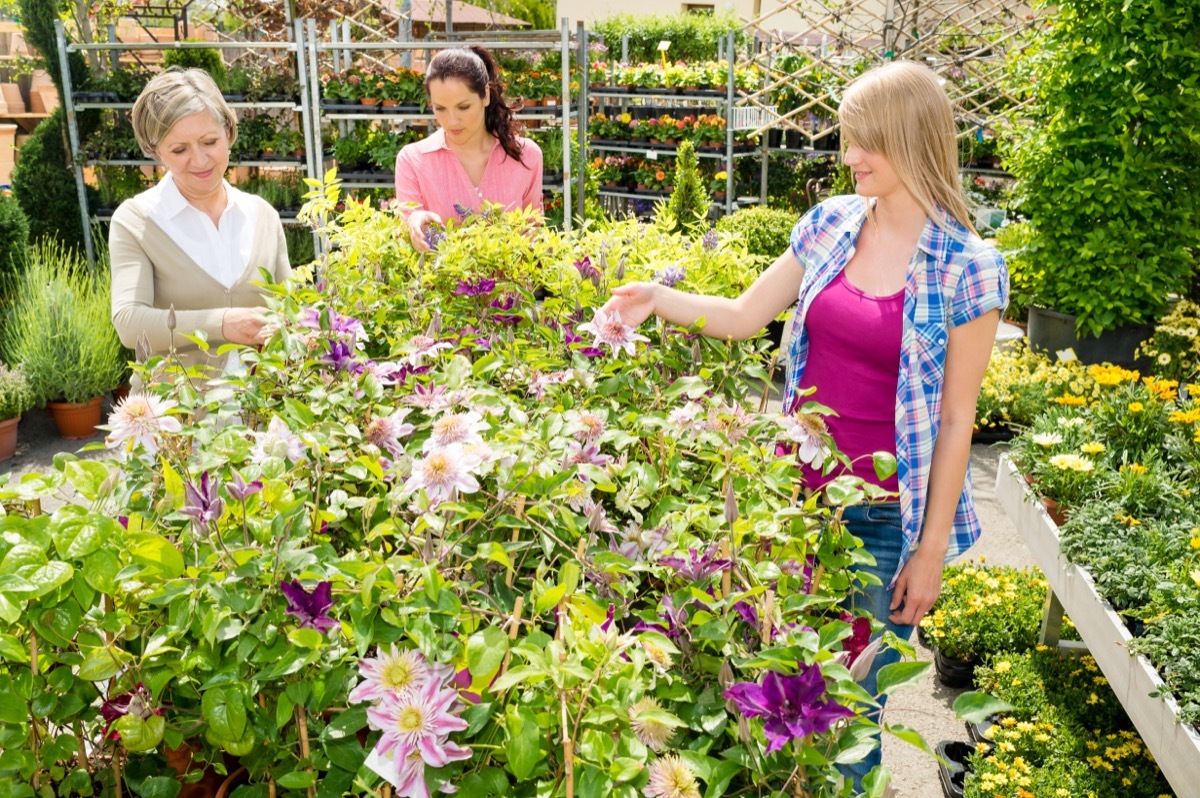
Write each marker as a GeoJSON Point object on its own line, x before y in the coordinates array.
{"type": "Point", "coordinates": [60, 331]}
{"type": "Point", "coordinates": [15, 399]}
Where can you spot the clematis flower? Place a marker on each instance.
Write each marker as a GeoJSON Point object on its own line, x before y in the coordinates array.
{"type": "Point", "coordinates": [570, 338]}
{"type": "Point", "coordinates": [589, 454]}
{"type": "Point", "coordinates": [461, 428]}
{"type": "Point", "coordinates": [310, 609]}
{"type": "Point", "coordinates": [586, 270]}
{"type": "Point", "coordinates": [392, 673]}
{"type": "Point", "coordinates": [698, 567]}
{"type": "Point", "coordinates": [277, 441]}
{"type": "Point", "coordinates": [203, 503]}
{"type": "Point", "coordinates": [611, 331]}
{"type": "Point", "coordinates": [139, 419]}
{"type": "Point", "coordinates": [670, 276]}
{"type": "Point", "coordinates": [340, 356]}
{"type": "Point", "coordinates": [587, 427]}
{"type": "Point", "coordinates": [442, 473]}
{"type": "Point", "coordinates": [480, 287]}
{"type": "Point", "coordinates": [386, 431]}
{"type": "Point", "coordinates": [137, 701]}
{"type": "Point", "coordinates": [671, 777]}
{"type": "Point", "coordinates": [343, 328]}
{"type": "Point", "coordinates": [811, 433]}
{"type": "Point", "coordinates": [422, 346]}
{"type": "Point", "coordinates": [431, 397]}
{"type": "Point", "coordinates": [240, 490]}
{"type": "Point", "coordinates": [651, 732]}
{"type": "Point", "coordinates": [433, 237]}
{"type": "Point", "coordinates": [507, 303]}
{"type": "Point", "coordinates": [792, 706]}
{"type": "Point", "coordinates": [419, 721]}
{"type": "Point", "coordinates": [639, 545]}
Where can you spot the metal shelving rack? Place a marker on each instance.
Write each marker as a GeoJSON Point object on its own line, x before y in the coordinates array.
{"type": "Point", "coordinates": [340, 51]}
{"type": "Point", "coordinates": [736, 118]}
{"type": "Point", "coordinates": [311, 162]}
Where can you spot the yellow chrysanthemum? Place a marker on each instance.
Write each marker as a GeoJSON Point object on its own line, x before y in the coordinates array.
{"type": "Point", "coordinates": [1093, 447]}
{"type": "Point", "coordinates": [1185, 416]}
{"type": "Point", "coordinates": [1136, 407]}
{"type": "Point", "coordinates": [1072, 462]}
{"type": "Point", "coordinates": [1071, 400]}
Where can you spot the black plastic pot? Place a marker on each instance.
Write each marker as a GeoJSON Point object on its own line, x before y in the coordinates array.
{"type": "Point", "coordinates": [1136, 626]}
{"type": "Point", "coordinates": [1051, 331]}
{"type": "Point", "coordinates": [977, 731]}
{"type": "Point", "coordinates": [952, 766]}
{"type": "Point", "coordinates": [775, 333]}
{"type": "Point", "coordinates": [955, 673]}
{"type": "Point", "coordinates": [1000, 433]}
{"type": "Point", "coordinates": [775, 137]}
{"type": "Point", "coordinates": [792, 139]}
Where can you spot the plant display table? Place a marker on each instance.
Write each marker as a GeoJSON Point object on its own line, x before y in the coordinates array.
{"type": "Point", "coordinates": [1176, 746]}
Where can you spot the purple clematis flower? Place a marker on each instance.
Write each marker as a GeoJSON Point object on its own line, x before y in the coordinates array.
{"type": "Point", "coordinates": [310, 609]}
{"type": "Point", "coordinates": [340, 356]}
{"type": "Point", "coordinates": [570, 338]}
{"type": "Point", "coordinates": [676, 620]}
{"type": "Point", "coordinates": [698, 567]}
{"type": "Point", "coordinates": [792, 707]}
{"type": "Point", "coordinates": [480, 287]}
{"type": "Point", "coordinates": [241, 490]}
{"type": "Point", "coordinates": [203, 504]}
{"type": "Point", "coordinates": [507, 303]}
{"type": "Point", "coordinates": [433, 237]}
{"type": "Point", "coordinates": [586, 270]}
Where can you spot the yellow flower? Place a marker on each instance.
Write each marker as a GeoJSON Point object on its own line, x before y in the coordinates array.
{"type": "Point", "coordinates": [1005, 667]}
{"type": "Point", "coordinates": [1195, 542]}
{"type": "Point", "coordinates": [1137, 469]}
{"type": "Point", "coordinates": [1111, 375]}
{"type": "Point", "coordinates": [1094, 447]}
{"type": "Point", "coordinates": [1136, 407]}
{"type": "Point", "coordinates": [1071, 399]}
{"type": "Point", "coordinates": [1185, 416]}
{"type": "Point", "coordinates": [1163, 389]}
{"type": "Point", "coordinates": [1072, 462]}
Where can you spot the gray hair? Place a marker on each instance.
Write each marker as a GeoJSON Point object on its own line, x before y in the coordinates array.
{"type": "Point", "coordinates": [173, 95]}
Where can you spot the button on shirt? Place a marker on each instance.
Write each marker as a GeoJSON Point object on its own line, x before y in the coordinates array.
{"type": "Point", "coordinates": [221, 251]}
{"type": "Point", "coordinates": [953, 278]}
{"type": "Point", "coordinates": [429, 174]}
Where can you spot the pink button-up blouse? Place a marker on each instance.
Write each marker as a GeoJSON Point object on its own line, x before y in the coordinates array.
{"type": "Point", "coordinates": [429, 174]}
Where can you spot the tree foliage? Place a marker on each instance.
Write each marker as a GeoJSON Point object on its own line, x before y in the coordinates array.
{"type": "Point", "coordinates": [1106, 165]}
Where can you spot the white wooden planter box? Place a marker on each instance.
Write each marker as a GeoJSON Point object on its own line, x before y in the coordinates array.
{"type": "Point", "coordinates": [1176, 746]}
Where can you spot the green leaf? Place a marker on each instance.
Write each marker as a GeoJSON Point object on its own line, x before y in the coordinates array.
{"type": "Point", "coordinates": [899, 674]}
{"type": "Point", "coordinates": [160, 787]}
{"type": "Point", "coordinates": [524, 742]}
{"type": "Point", "coordinates": [12, 708]}
{"type": "Point", "coordinates": [297, 780]}
{"type": "Point", "coordinates": [485, 651]}
{"type": "Point", "coordinates": [22, 555]}
{"type": "Point", "coordinates": [225, 712]}
{"type": "Point", "coordinates": [550, 598]}
{"type": "Point", "coordinates": [885, 464]}
{"type": "Point", "coordinates": [346, 724]}
{"type": "Point", "coordinates": [974, 707]}
{"type": "Point", "coordinates": [722, 774]}
{"type": "Point", "coordinates": [306, 638]}
{"type": "Point", "coordinates": [158, 553]}
{"type": "Point", "coordinates": [87, 477]}
{"type": "Point", "coordinates": [100, 570]}
{"type": "Point", "coordinates": [910, 736]}
{"type": "Point", "coordinates": [138, 734]}
{"type": "Point", "coordinates": [50, 577]}
{"type": "Point", "coordinates": [103, 663]}
{"type": "Point", "coordinates": [77, 532]}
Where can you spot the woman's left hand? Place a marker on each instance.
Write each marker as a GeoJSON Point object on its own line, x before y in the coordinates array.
{"type": "Point", "coordinates": [917, 587]}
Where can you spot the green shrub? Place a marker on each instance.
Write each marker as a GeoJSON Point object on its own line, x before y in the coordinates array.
{"type": "Point", "coordinates": [206, 58]}
{"type": "Point", "coordinates": [766, 232]}
{"type": "Point", "coordinates": [1013, 242]}
{"type": "Point", "coordinates": [1106, 169]}
{"type": "Point", "coordinates": [44, 185]}
{"type": "Point", "coordinates": [14, 236]}
{"type": "Point", "coordinates": [59, 330]}
{"type": "Point", "coordinates": [689, 203]}
{"type": "Point", "coordinates": [299, 245]}
{"type": "Point", "coordinates": [693, 37]}
{"type": "Point", "coordinates": [15, 396]}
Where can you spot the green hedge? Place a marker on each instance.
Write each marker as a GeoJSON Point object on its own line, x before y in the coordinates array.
{"type": "Point", "coordinates": [693, 37]}
{"type": "Point", "coordinates": [766, 231]}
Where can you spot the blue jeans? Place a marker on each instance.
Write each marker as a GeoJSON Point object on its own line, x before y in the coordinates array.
{"type": "Point", "coordinates": [879, 527]}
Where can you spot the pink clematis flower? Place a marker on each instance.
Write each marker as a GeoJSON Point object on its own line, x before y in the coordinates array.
{"type": "Point", "coordinates": [386, 431]}
{"type": "Point", "coordinates": [442, 473]}
{"type": "Point", "coordinates": [611, 331]}
{"type": "Point", "coordinates": [277, 441]}
{"type": "Point", "coordinates": [811, 433]}
{"type": "Point", "coordinates": [139, 419]}
{"type": "Point", "coordinates": [460, 428]}
{"type": "Point", "coordinates": [418, 722]}
{"type": "Point", "coordinates": [395, 673]}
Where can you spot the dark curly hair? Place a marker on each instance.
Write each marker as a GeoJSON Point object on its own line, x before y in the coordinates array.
{"type": "Point", "coordinates": [475, 67]}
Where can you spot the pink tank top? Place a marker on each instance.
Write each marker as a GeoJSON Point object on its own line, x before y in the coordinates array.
{"type": "Point", "coordinates": [854, 362]}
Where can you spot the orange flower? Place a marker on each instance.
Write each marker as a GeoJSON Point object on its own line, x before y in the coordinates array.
{"type": "Point", "coordinates": [660, 175]}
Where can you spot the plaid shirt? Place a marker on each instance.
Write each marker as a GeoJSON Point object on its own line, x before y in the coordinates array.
{"type": "Point", "coordinates": [953, 278]}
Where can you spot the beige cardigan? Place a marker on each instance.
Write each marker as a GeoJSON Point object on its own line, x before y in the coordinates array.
{"type": "Point", "coordinates": [150, 273]}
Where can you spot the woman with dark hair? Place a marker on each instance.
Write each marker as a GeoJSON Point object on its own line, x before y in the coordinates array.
{"type": "Point", "coordinates": [476, 155]}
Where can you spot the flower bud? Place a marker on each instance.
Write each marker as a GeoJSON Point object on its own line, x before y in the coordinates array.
{"type": "Point", "coordinates": [143, 348]}
{"type": "Point", "coordinates": [731, 508]}
{"type": "Point", "coordinates": [171, 318]}
{"type": "Point", "coordinates": [435, 325]}
{"type": "Point", "coordinates": [621, 269]}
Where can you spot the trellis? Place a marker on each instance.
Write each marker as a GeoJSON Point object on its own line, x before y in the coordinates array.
{"type": "Point", "coordinates": [965, 41]}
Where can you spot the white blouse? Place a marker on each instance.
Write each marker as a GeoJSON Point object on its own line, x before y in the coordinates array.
{"type": "Point", "coordinates": [220, 251]}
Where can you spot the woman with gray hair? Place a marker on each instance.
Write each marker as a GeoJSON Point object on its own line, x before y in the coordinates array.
{"type": "Point", "coordinates": [192, 242]}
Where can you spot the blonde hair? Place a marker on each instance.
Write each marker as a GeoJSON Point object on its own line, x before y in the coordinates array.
{"type": "Point", "coordinates": [173, 95]}
{"type": "Point", "coordinates": [900, 111]}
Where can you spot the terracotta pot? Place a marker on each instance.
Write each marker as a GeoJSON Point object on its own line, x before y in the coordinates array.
{"type": "Point", "coordinates": [390, 103]}
{"type": "Point", "coordinates": [76, 421]}
{"type": "Point", "coordinates": [120, 393]}
{"type": "Point", "coordinates": [369, 101]}
{"type": "Point", "coordinates": [235, 779]}
{"type": "Point", "coordinates": [1054, 510]}
{"type": "Point", "coordinates": [8, 438]}
{"type": "Point", "coordinates": [180, 761]}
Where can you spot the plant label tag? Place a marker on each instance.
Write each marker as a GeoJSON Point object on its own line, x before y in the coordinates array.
{"type": "Point", "coordinates": [1066, 355]}
{"type": "Point", "coordinates": [652, 155]}
{"type": "Point", "coordinates": [664, 45]}
{"type": "Point", "coordinates": [385, 767]}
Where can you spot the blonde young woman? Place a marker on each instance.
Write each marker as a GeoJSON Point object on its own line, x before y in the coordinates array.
{"type": "Point", "coordinates": [192, 242]}
{"type": "Point", "coordinates": [898, 305]}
